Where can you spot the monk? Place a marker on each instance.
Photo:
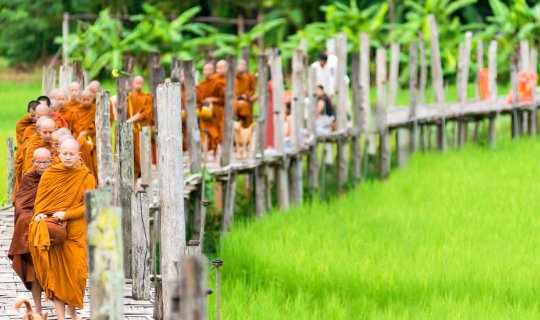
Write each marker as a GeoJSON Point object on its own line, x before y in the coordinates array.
{"type": "Point", "coordinates": [18, 253]}
{"type": "Point", "coordinates": [42, 139]}
{"type": "Point", "coordinates": [26, 121]}
{"type": "Point", "coordinates": [207, 99]}
{"type": "Point", "coordinates": [40, 111]}
{"type": "Point", "coordinates": [245, 86]}
{"type": "Point", "coordinates": [140, 113]}
{"type": "Point", "coordinates": [53, 111]}
{"type": "Point", "coordinates": [86, 116]}
{"type": "Point", "coordinates": [74, 91]}
{"type": "Point", "coordinates": [62, 98]}
{"type": "Point", "coordinates": [61, 269]}
{"type": "Point", "coordinates": [94, 86]}
{"type": "Point", "coordinates": [56, 139]}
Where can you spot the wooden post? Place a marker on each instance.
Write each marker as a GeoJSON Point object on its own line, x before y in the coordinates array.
{"type": "Point", "coordinates": [173, 231]}
{"type": "Point", "coordinates": [10, 168]}
{"type": "Point", "coordinates": [492, 65]}
{"type": "Point", "coordinates": [524, 52]}
{"type": "Point", "coordinates": [365, 90]}
{"type": "Point", "coordinates": [297, 115]}
{"type": "Point", "coordinates": [156, 75]}
{"type": "Point", "coordinates": [437, 79]}
{"type": "Point", "coordinates": [78, 72]}
{"type": "Point", "coordinates": [394, 74]}
{"type": "Point", "coordinates": [175, 70]}
{"type": "Point", "coordinates": [260, 176]}
{"type": "Point", "coordinates": [103, 137]}
{"type": "Point", "coordinates": [48, 80]}
{"type": "Point", "coordinates": [534, 59]}
{"type": "Point", "coordinates": [227, 144]}
{"type": "Point", "coordinates": [463, 80]}
{"type": "Point", "coordinates": [127, 180]}
{"type": "Point", "coordinates": [260, 20]}
{"type": "Point", "coordinates": [188, 300]}
{"type": "Point", "coordinates": [65, 76]}
{"type": "Point", "coordinates": [140, 219]}
{"type": "Point", "coordinates": [279, 132]}
{"type": "Point", "coordinates": [382, 128]}
{"type": "Point", "coordinates": [358, 118]}
{"type": "Point", "coordinates": [514, 81]}
{"type": "Point", "coordinates": [145, 148]}
{"type": "Point", "coordinates": [105, 257]}
{"type": "Point", "coordinates": [413, 100]}
{"type": "Point", "coordinates": [129, 64]}
{"type": "Point", "coordinates": [341, 110]}
{"type": "Point", "coordinates": [479, 66]}
{"type": "Point", "coordinates": [312, 155]}
{"type": "Point", "coordinates": [423, 69]}
{"type": "Point", "coordinates": [65, 35]}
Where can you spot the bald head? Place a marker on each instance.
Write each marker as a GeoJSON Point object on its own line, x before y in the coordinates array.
{"type": "Point", "coordinates": [42, 110]}
{"type": "Point", "coordinates": [60, 95]}
{"type": "Point", "coordinates": [74, 89]}
{"type": "Point", "coordinates": [46, 128]}
{"type": "Point", "coordinates": [221, 67]}
{"type": "Point", "coordinates": [41, 159]}
{"type": "Point", "coordinates": [40, 121]}
{"type": "Point", "coordinates": [55, 105]}
{"type": "Point", "coordinates": [87, 97]}
{"type": "Point", "coordinates": [59, 136]}
{"type": "Point", "coordinates": [138, 83]}
{"type": "Point", "coordinates": [208, 70]}
{"type": "Point", "coordinates": [94, 86]}
{"type": "Point", "coordinates": [69, 153]}
{"type": "Point", "coordinates": [241, 66]}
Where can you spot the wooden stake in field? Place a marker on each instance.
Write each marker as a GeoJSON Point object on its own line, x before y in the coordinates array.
{"type": "Point", "coordinates": [173, 231]}
{"type": "Point", "coordinates": [413, 98]}
{"type": "Point", "coordinates": [365, 89]}
{"type": "Point", "coordinates": [103, 137]}
{"type": "Point", "coordinates": [492, 65]}
{"type": "Point", "coordinates": [260, 129]}
{"type": "Point", "coordinates": [188, 301]}
{"type": "Point", "coordinates": [48, 80]}
{"type": "Point", "coordinates": [313, 176]}
{"type": "Point", "coordinates": [341, 110]}
{"type": "Point", "coordinates": [437, 78]}
{"type": "Point", "coordinates": [359, 120]}
{"type": "Point", "coordinates": [140, 222]}
{"type": "Point", "coordinates": [10, 167]}
{"type": "Point", "coordinates": [462, 82]}
{"type": "Point", "coordinates": [298, 93]}
{"type": "Point", "coordinates": [382, 128]}
{"type": "Point", "coordinates": [105, 257]}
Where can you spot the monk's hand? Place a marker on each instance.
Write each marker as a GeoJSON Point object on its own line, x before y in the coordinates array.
{"type": "Point", "coordinates": [82, 134]}
{"type": "Point", "coordinates": [208, 100]}
{"type": "Point", "coordinates": [59, 215]}
{"type": "Point", "coordinates": [40, 216]}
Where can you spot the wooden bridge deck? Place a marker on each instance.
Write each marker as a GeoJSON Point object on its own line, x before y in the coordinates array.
{"type": "Point", "coordinates": [11, 286]}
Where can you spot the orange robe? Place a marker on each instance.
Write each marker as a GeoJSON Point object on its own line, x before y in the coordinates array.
{"type": "Point", "coordinates": [183, 116]}
{"type": "Point", "coordinates": [244, 85]}
{"type": "Point", "coordinates": [29, 131]}
{"type": "Point", "coordinates": [60, 120]}
{"type": "Point", "coordinates": [86, 118]}
{"type": "Point", "coordinates": [18, 252]}
{"type": "Point", "coordinates": [72, 104]}
{"type": "Point", "coordinates": [70, 116]}
{"type": "Point", "coordinates": [33, 144]}
{"type": "Point", "coordinates": [21, 127]}
{"type": "Point", "coordinates": [87, 151]}
{"type": "Point", "coordinates": [212, 87]}
{"type": "Point", "coordinates": [139, 102]}
{"type": "Point", "coordinates": [61, 269]}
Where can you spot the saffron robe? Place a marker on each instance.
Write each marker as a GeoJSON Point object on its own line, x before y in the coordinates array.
{"type": "Point", "coordinates": [21, 127]}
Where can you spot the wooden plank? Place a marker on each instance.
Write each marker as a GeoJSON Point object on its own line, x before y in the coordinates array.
{"type": "Point", "coordinates": [260, 129]}
{"type": "Point", "coordinates": [479, 66]}
{"type": "Point", "coordinates": [514, 65]}
{"type": "Point", "coordinates": [463, 80]}
{"type": "Point", "coordinates": [105, 257]}
{"type": "Point", "coordinates": [103, 138]}
{"type": "Point", "coordinates": [227, 143]}
{"type": "Point", "coordinates": [298, 99]}
{"type": "Point", "coordinates": [365, 91]}
{"type": "Point", "coordinates": [10, 167]}
{"type": "Point", "coordinates": [394, 74]}
{"type": "Point", "coordinates": [65, 76]}
{"type": "Point", "coordinates": [437, 79]}
{"type": "Point", "coordinates": [382, 128]}
{"type": "Point", "coordinates": [358, 118]}
{"type": "Point", "coordinates": [524, 52]}
{"type": "Point", "coordinates": [127, 181]}
{"type": "Point", "coordinates": [48, 80]}
{"type": "Point", "coordinates": [341, 110]}
{"type": "Point", "coordinates": [413, 98]}
{"type": "Point", "coordinates": [189, 299]}
{"type": "Point", "coordinates": [78, 73]}
{"type": "Point", "coordinates": [145, 146]}
{"type": "Point", "coordinates": [156, 75]}
{"type": "Point", "coordinates": [170, 174]}
{"type": "Point", "coordinates": [192, 123]}
{"type": "Point", "coordinates": [65, 35]}
{"type": "Point", "coordinates": [313, 177]}
{"type": "Point", "coordinates": [492, 130]}
{"type": "Point", "coordinates": [492, 65]}
{"type": "Point", "coordinates": [534, 59]}
{"type": "Point", "coordinates": [140, 261]}
{"type": "Point", "coordinates": [423, 69]}
{"type": "Point", "coordinates": [282, 183]}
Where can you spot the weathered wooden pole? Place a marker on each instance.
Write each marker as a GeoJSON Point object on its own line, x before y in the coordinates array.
{"type": "Point", "coordinates": [514, 81]}
{"type": "Point", "coordinates": [463, 81]}
{"type": "Point", "coordinates": [260, 171]}
{"type": "Point", "coordinates": [479, 67]}
{"type": "Point", "coordinates": [65, 76]}
{"type": "Point", "coordinates": [413, 98]}
{"type": "Point", "coordinates": [365, 90]}
{"type": "Point", "coordinates": [188, 300]}
{"type": "Point", "coordinates": [298, 95]}
{"type": "Point", "coordinates": [127, 181]}
{"type": "Point", "coordinates": [382, 128]}
{"type": "Point", "coordinates": [282, 182]}
{"type": "Point", "coordinates": [313, 168]}
{"type": "Point", "coordinates": [140, 222]}
{"type": "Point", "coordinates": [359, 120]}
{"type": "Point", "coordinates": [173, 230]}
{"type": "Point", "coordinates": [402, 134]}
{"type": "Point", "coordinates": [78, 72]}
{"type": "Point", "coordinates": [341, 110]}
{"type": "Point", "coordinates": [437, 79]}
{"type": "Point", "coordinates": [145, 146]}
{"type": "Point", "coordinates": [229, 185]}
{"type": "Point", "coordinates": [176, 70]}
{"type": "Point", "coordinates": [103, 137]}
{"type": "Point", "coordinates": [10, 168]}
{"type": "Point", "coordinates": [48, 80]}
{"type": "Point", "coordinates": [65, 35]}
{"type": "Point", "coordinates": [106, 264]}
{"type": "Point", "coordinates": [193, 138]}
{"type": "Point", "coordinates": [156, 75]}
{"type": "Point", "coordinates": [492, 65]}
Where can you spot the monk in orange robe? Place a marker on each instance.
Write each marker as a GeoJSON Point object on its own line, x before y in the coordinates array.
{"type": "Point", "coordinates": [42, 139]}
{"type": "Point", "coordinates": [208, 91]}
{"type": "Point", "coordinates": [19, 254]}
{"type": "Point", "coordinates": [58, 118]}
{"type": "Point", "coordinates": [245, 86]}
{"type": "Point", "coordinates": [139, 112]}
{"type": "Point", "coordinates": [62, 98]}
{"type": "Point", "coordinates": [61, 268]}
{"type": "Point", "coordinates": [26, 121]}
{"type": "Point", "coordinates": [74, 90]}
{"type": "Point", "coordinates": [85, 128]}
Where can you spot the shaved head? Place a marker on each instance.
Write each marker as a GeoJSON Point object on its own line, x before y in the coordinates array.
{"type": "Point", "coordinates": [94, 86]}
{"type": "Point", "coordinates": [74, 89]}
{"type": "Point", "coordinates": [40, 121]}
{"type": "Point", "coordinates": [69, 153]}
{"type": "Point", "coordinates": [42, 110]}
{"type": "Point", "coordinates": [46, 129]}
{"type": "Point", "coordinates": [55, 105]}
{"type": "Point", "coordinates": [59, 95]}
{"type": "Point", "coordinates": [208, 70]}
{"type": "Point", "coordinates": [87, 97]}
{"type": "Point", "coordinates": [138, 83]}
{"type": "Point", "coordinates": [41, 159]}
{"type": "Point", "coordinates": [221, 67]}
{"type": "Point", "coordinates": [241, 66]}
{"type": "Point", "coordinates": [58, 137]}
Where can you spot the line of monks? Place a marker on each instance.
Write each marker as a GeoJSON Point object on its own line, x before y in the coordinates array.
{"type": "Point", "coordinates": [56, 162]}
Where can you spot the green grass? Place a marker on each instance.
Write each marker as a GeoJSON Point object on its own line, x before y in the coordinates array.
{"type": "Point", "coordinates": [452, 235]}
